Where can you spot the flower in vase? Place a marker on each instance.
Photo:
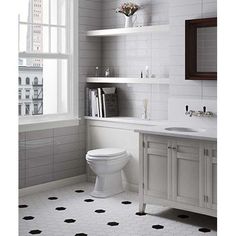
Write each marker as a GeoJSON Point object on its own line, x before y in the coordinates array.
{"type": "Point", "coordinates": [128, 9]}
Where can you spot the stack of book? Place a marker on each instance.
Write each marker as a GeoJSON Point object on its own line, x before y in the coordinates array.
{"type": "Point", "coordinates": [101, 102]}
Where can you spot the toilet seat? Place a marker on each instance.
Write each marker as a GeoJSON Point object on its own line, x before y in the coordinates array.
{"type": "Point", "coordinates": [106, 154]}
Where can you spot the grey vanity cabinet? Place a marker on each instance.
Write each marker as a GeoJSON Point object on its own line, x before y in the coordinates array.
{"type": "Point", "coordinates": [179, 173]}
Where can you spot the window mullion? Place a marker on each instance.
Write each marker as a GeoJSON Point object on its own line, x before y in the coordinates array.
{"type": "Point", "coordinates": [49, 27]}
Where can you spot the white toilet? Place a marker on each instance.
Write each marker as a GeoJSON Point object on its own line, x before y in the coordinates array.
{"type": "Point", "coordinates": [107, 164]}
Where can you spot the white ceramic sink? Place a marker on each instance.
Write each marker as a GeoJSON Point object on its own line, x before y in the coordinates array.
{"type": "Point", "coordinates": [183, 129]}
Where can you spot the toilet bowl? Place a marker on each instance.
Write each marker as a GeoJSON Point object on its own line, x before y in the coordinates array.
{"type": "Point", "coordinates": [107, 164]}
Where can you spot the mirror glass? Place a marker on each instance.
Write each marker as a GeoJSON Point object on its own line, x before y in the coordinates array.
{"type": "Point", "coordinates": [207, 49]}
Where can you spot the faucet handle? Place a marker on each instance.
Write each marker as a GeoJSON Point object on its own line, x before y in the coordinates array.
{"type": "Point", "coordinates": [204, 109]}
{"type": "Point", "coordinates": [186, 108]}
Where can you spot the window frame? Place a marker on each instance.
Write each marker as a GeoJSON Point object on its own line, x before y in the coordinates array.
{"type": "Point", "coordinates": [70, 118]}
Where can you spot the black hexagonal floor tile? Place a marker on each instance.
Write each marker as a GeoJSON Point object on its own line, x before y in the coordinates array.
{"type": "Point", "coordinates": [79, 191]}
{"type": "Point", "coordinates": [100, 211]}
{"type": "Point", "coordinates": [36, 231]}
{"type": "Point", "coordinates": [23, 206]}
{"type": "Point", "coordinates": [89, 200]}
{"type": "Point", "coordinates": [28, 218]}
{"type": "Point", "coordinates": [112, 223]}
{"type": "Point", "coordinates": [158, 227]}
{"type": "Point", "coordinates": [81, 234]}
{"type": "Point", "coordinates": [69, 221]}
{"type": "Point", "coordinates": [126, 202]}
{"type": "Point", "coordinates": [60, 208]}
{"type": "Point", "coordinates": [52, 198]}
{"type": "Point", "coordinates": [183, 216]}
{"type": "Point", "coordinates": [204, 230]}
{"type": "Point", "coordinates": [140, 213]}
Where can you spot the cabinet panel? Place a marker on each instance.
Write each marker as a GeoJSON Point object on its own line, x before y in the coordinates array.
{"type": "Point", "coordinates": [156, 167]}
{"type": "Point", "coordinates": [186, 169]}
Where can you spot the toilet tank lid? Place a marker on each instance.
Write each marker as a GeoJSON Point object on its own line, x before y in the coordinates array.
{"type": "Point", "coordinates": [107, 152]}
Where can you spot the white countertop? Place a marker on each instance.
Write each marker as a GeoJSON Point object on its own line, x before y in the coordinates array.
{"type": "Point", "coordinates": [158, 127]}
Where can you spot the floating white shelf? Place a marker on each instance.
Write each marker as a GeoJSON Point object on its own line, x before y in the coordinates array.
{"type": "Point", "coordinates": [117, 80]}
{"type": "Point", "coordinates": [125, 31]}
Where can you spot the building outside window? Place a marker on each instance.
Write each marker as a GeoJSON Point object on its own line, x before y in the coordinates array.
{"type": "Point", "coordinates": [19, 80]}
{"type": "Point", "coordinates": [46, 55]}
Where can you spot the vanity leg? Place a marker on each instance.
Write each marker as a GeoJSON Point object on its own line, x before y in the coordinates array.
{"type": "Point", "coordinates": [142, 207]}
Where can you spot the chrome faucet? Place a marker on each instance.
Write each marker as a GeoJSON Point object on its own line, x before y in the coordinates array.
{"type": "Point", "coordinates": [203, 113]}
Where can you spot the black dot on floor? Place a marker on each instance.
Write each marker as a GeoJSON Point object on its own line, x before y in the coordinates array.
{"type": "Point", "coordinates": [35, 231]}
{"type": "Point", "coordinates": [52, 198]}
{"type": "Point", "coordinates": [158, 227]}
{"type": "Point", "coordinates": [23, 206]}
{"type": "Point", "coordinates": [79, 191]}
{"type": "Point", "coordinates": [183, 216]}
{"type": "Point", "coordinates": [204, 230]}
{"type": "Point", "coordinates": [140, 213]}
{"type": "Point", "coordinates": [81, 234]}
{"type": "Point", "coordinates": [100, 211]}
{"type": "Point", "coordinates": [126, 202]}
{"type": "Point", "coordinates": [112, 223]}
{"type": "Point", "coordinates": [60, 208]}
{"type": "Point", "coordinates": [89, 200]}
{"type": "Point", "coordinates": [28, 218]}
{"type": "Point", "coordinates": [69, 221]}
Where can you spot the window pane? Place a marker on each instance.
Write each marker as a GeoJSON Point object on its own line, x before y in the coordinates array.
{"type": "Point", "coordinates": [45, 11]}
{"type": "Point", "coordinates": [54, 12]}
{"type": "Point", "coordinates": [24, 8]}
{"type": "Point", "coordinates": [43, 87]}
{"type": "Point", "coordinates": [58, 40]}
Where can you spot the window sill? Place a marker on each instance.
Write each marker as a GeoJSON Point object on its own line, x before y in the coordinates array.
{"type": "Point", "coordinates": [47, 123]}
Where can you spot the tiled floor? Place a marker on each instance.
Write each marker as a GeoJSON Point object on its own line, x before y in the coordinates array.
{"type": "Point", "coordinates": [69, 211]}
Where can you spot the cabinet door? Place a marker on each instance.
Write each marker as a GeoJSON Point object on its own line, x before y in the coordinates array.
{"type": "Point", "coordinates": [211, 180]}
{"type": "Point", "coordinates": [186, 172]}
{"type": "Point", "coordinates": [156, 162]}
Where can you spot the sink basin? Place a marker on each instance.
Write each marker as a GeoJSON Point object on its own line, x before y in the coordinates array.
{"type": "Point", "coordinates": [183, 129]}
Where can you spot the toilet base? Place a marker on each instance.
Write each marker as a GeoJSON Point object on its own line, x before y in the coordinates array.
{"type": "Point", "coordinates": [108, 185]}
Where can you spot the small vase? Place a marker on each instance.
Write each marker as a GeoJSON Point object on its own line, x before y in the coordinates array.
{"type": "Point", "coordinates": [129, 21]}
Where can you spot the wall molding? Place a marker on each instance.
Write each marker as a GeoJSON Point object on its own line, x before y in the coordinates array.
{"type": "Point", "coordinates": [52, 185]}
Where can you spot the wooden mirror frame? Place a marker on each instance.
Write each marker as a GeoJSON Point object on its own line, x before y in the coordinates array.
{"type": "Point", "coordinates": [191, 49]}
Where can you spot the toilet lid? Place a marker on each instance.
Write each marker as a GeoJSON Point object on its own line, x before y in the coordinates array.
{"type": "Point", "coordinates": [106, 152]}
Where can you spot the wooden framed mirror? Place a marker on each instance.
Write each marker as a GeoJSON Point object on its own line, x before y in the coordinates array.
{"type": "Point", "coordinates": [201, 49]}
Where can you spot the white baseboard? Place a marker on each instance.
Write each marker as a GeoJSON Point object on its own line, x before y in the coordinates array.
{"type": "Point", "coordinates": [52, 185]}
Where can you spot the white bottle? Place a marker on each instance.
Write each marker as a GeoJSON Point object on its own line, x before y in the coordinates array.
{"type": "Point", "coordinates": [147, 72]}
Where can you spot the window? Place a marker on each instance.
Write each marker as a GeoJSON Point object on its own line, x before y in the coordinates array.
{"type": "Point", "coordinates": [46, 50]}
{"type": "Point", "coordinates": [27, 81]}
{"type": "Point", "coordinates": [36, 93]}
{"type": "Point", "coordinates": [19, 94]}
{"type": "Point", "coordinates": [36, 81]}
{"type": "Point", "coordinates": [19, 109]}
{"type": "Point", "coordinates": [27, 109]}
{"type": "Point", "coordinates": [27, 94]}
{"type": "Point", "coordinates": [35, 109]}
{"type": "Point", "coordinates": [19, 80]}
